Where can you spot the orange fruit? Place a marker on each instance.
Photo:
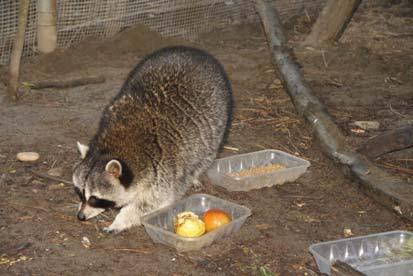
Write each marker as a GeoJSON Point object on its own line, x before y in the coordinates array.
{"type": "Point", "coordinates": [215, 218]}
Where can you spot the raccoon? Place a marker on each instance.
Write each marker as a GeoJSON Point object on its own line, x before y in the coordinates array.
{"type": "Point", "coordinates": [156, 137]}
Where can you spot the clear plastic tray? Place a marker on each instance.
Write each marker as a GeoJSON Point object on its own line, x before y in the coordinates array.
{"type": "Point", "coordinates": [160, 224]}
{"type": "Point", "coordinates": [221, 168]}
{"type": "Point", "coordinates": [384, 254]}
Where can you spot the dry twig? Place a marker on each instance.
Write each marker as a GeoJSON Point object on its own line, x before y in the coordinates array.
{"type": "Point", "coordinates": [396, 168]}
{"type": "Point", "coordinates": [134, 250]}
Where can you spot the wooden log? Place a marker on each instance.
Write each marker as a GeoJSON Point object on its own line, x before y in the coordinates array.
{"type": "Point", "coordinates": [332, 21]}
{"type": "Point", "coordinates": [392, 140]}
{"type": "Point", "coordinates": [15, 57]}
{"type": "Point", "coordinates": [388, 190]}
{"type": "Point", "coordinates": [342, 269]}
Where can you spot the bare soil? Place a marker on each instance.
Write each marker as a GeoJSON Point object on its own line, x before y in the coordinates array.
{"type": "Point", "coordinates": [366, 76]}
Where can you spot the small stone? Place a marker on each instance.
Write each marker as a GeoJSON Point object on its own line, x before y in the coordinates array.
{"type": "Point", "coordinates": [27, 156]}
{"type": "Point", "coordinates": [347, 232]}
{"type": "Point", "coordinates": [86, 242]}
{"type": "Point", "coordinates": [277, 82]}
{"type": "Point", "coordinates": [55, 172]}
{"type": "Point", "coordinates": [366, 125]}
{"type": "Point", "coordinates": [263, 226]}
{"type": "Point", "coordinates": [56, 186]}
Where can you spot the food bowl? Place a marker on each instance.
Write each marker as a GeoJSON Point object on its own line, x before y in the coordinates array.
{"type": "Point", "coordinates": [160, 224]}
{"type": "Point", "coordinates": [382, 254]}
{"type": "Point", "coordinates": [227, 172]}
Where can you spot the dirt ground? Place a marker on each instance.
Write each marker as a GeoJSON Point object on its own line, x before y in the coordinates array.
{"type": "Point", "coordinates": [367, 76]}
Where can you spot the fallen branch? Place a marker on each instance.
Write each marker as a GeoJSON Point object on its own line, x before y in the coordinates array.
{"type": "Point", "coordinates": [65, 83]}
{"type": "Point", "coordinates": [58, 179]}
{"type": "Point", "coordinates": [393, 140]}
{"type": "Point", "coordinates": [389, 190]}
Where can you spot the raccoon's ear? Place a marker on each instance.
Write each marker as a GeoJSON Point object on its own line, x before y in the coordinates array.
{"type": "Point", "coordinates": [83, 149]}
{"type": "Point", "coordinates": [114, 168]}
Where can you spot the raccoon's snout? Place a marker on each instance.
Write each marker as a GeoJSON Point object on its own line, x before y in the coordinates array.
{"type": "Point", "coordinates": [87, 212]}
{"type": "Point", "coordinates": [81, 216]}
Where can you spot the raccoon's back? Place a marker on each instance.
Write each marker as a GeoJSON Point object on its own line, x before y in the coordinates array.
{"type": "Point", "coordinates": [188, 75]}
{"type": "Point", "coordinates": [176, 102]}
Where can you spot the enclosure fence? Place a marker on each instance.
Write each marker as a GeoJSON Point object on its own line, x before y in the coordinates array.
{"type": "Point", "coordinates": [81, 19]}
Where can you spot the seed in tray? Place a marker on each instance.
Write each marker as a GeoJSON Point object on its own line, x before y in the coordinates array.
{"type": "Point", "coordinates": [257, 170]}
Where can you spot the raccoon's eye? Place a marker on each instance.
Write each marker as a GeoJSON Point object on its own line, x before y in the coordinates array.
{"type": "Point", "coordinates": [100, 203]}
{"type": "Point", "coordinates": [80, 194]}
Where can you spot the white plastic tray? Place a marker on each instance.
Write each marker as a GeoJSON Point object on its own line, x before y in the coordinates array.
{"type": "Point", "coordinates": [382, 254]}
{"type": "Point", "coordinates": [221, 168]}
{"type": "Point", "coordinates": [159, 224]}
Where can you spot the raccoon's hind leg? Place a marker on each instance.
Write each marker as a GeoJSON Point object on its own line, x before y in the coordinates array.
{"type": "Point", "coordinates": [196, 184]}
{"type": "Point", "coordinates": [200, 168]}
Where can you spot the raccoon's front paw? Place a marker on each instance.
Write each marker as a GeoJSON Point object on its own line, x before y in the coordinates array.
{"type": "Point", "coordinates": [116, 227]}
{"type": "Point", "coordinates": [110, 230]}
{"type": "Point", "coordinates": [128, 216]}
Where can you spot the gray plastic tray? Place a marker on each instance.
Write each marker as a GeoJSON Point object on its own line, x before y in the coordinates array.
{"type": "Point", "coordinates": [218, 173]}
{"type": "Point", "coordinates": [160, 226]}
{"type": "Point", "coordinates": [382, 254]}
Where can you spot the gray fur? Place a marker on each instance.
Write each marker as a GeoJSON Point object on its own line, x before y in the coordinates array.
{"type": "Point", "coordinates": [165, 128]}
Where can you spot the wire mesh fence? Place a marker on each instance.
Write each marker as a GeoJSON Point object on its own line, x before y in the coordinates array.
{"type": "Point", "coordinates": [82, 19]}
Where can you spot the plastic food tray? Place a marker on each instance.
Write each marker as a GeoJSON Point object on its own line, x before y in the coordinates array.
{"type": "Point", "coordinates": [294, 168]}
{"type": "Point", "coordinates": [383, 254]}
{"type": "Point", "coordinates": [160, 224]}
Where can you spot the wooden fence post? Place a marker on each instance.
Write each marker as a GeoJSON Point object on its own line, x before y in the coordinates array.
{"type": "Point", "coordinates": [46, 26]}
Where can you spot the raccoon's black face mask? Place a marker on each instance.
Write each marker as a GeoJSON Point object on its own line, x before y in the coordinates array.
{"type": "Point", "coordinates": [92, 206]}
{"type": "Point", "coordinates": [94, 201]}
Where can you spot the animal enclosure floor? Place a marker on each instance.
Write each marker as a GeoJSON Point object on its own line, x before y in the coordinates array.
{"type": "Point", "coordinates": [367, 76]}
